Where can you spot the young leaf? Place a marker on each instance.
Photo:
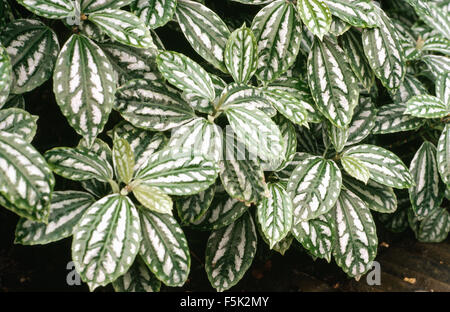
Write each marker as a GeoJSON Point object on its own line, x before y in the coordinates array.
{"type": "Point", "coordinates": [123, 158]}
{"type": "Point", "coordinates": [355, 234]}
{"type": "Point", "coordinates": [54, 9]}
{"type": "Point", "coordinates": [277, 29]}
{"type": "Point", "coordinates": [316, 15]}
{"type": "Point", "coordinates": [150, 107]}
{"type": "Point", "coordinates": [5, 75]}
{"type": "Point", "coordinates": [164, 248]}
{"type": "Point", "coordinates": [314, 187]}
{"type": "Point", "coordinates": [192, 208]}
{"type": "Point", "coordinates": [435, 227]}
{"type": "Point", "coordinates": [241, 55]}
{"type": "Point", "coordinates": [26, 181]}
{"type": "Point", "coordinates": [426, 106]}
{"type": "Point", "coordinates": [186, 74]}
{"type": "Point", "coordinates": [137, 279]}
{"type": "Point", "coordinates": [230, 252]}
{"type": "Point", "coordinates": [358, 13]}
{"type": "Point", "coordinates": [66, 209]}
{"type": "Point", "coordinates": [106, 240]}
{"type": "Point", "coordinates": [332, 82]}
{"type": "Point", "coordinates": [19, 122]}
{"type": "Point", "coordinates": [153, 199]}
{"type": "Point", "coordinates": [355, 168]}
{"type": "Point", "coordinates": [78, 164]}
{"type": "Point", "coordinates": [443, 155]}
{"type": "Point", "coordinates": [275, 214]}
{"type": "Point", "coordinates": [84, 86]}
{"type": "Point", "coordinates": [155, 13]}
{"type": "Point", "coordinates": [33, 49]}
{"type": "Point", "coordinates": [123, 26]}
{"type": "Point", "coordinates": [384, 166]}
{"type": "Point", "coordinates": [178, 172]}
{"type": "Point", "coordinates": [204, 30]}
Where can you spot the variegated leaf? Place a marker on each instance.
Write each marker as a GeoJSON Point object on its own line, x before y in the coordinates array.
{"type": "Point", "coordinates": [253, 2]}
{"type": "Point", "coordinates": [5, 75]}
{"type": "Point", "coordinates": [78, 164]}
{"type": "Point", "coordinates": [437, 18]}
{"type": "Point", "coordinates": [55, 9]}
{"type": "Point", "coordinates": [443, 88]}
{"type": "Point", "coordinates": [437, 64]}
{"type": "Point", "coordinates": [123, 27]}
{"type": "Point", "coordinates": [426, 106]}
{"type": "Point", "coordinates": [89, 6]}
{"type": "Point", "coordinates": [123, 158]}
{"type": "Point", "coordinates": [283, 245]}
{"type": "Point", "coordinates": [222, 212]}
{"type": "Point", "coordinates": [355, 168]}
{"type": "Point", "coordinates": [428, 192]}
{"type": "Point", "coordinates": [316, 15]}
{"type": "Point", "coordinates": [437, 44]}
{"type": "Point", "coordinates": [15, 101]}
{"type": "Point", "coordinates": [290, 140]}
{"type": "Point", "coordinates": [332, 82]}
{"type": "Point", "coordinates": [204, 30]}
{"type": "Point", "coordinates": [241, 55]}
{"type": "Point", "coordinates": [277, 29]}
{"type": "Point", "coordinates": [26, 181]}
{"type": "Point", "coordinates": [66, 209]}
{"type": "Point", "coordinates": [275, 214]}
{"type": "Point", "coordinates": [201, 136]}
{"type": "Point", "coordinates": [396, 222]}
{"type": "Point", "coordinates": [99, 147]}
{"type": "Point", "coordinates": [314, 187]}
{"type": "Point", "coordinates": [150, 107]}
{"type": "Point", "coordinates": [155, 13]}
{"type": "Point", "coordinates": [316, 236]}
{"type": "Point", "coordinates": [178, 172]}
{"type": "Point", "coordinates": [364, 120]}
{"type": "Point", "coordinates": [106, 240]}
{"type": "Point", "coordinates": [384, 166]}
{"type": "Point", "coordinates": [338, 27]}
{"type": "Point", "coordinates": [287, 104]}
{"type": "Point", "coordinates": [84, 86]}
{"type": "Point", "coordinates": [19, 122]}
{"type": "Point", "coordinates": [435, 227]}
{"type": "Point", "coordinates": [164, 248]}
{"type": "Point", "coordinates": [384, 53]}
{"type": "Point", "coordinates": [411, 86]}
{"type": "Point", "coordinates": [153, 198]}
{"type": "Point", "coordinates": [138, 279]}
{"type": "Point", "coordinates": [337, 136]}
{"type": "Point", "coordinates": [230, 252]}
{"type": "Point", "coordinates": [377, 197]}
{"type": "Point", "coordinates": [355, 234]}
{"type": "Point", "coordinates": [97, 188]}
{"type": "Point", "coordinates": [192, 208]}
{"type": "Point", "coordinates": [391, 118]}
{"type": "Point", "coordinates": [186, 74]}
{"type": "Point", "coordinates": [358, 13]}
{"type": "Point", "coordinates": [443, 155]}
{"type": "Point", "coordinates": [33, 49]}
{"type": "Point", "coordinates": [204, 105]}
{"type": "Point", "coordinates": [286, 172]}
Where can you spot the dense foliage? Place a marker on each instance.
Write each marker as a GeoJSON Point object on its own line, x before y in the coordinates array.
{"type": "Point", "coordinates": [287, 123]}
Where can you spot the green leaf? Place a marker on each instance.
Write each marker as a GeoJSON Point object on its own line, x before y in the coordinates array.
{"type": "Point", "coordinates": [355, 168]}
{"type": "Point", "coordinates": [230, 252]}
{"type": "Point", "coordinates": [84, 86]}
{"type": "Point", "coordinates": [396, 222]}
{"type": "Point", "coordinates": [377, 197]}
{"type": "Point", "coordinates": [316, 15]}
{"type": "Point", "coordinates": [443, 155]}
{"type": "Point", "coordinates": [19, 122]}
{"type": "Point", "coordinates": [391, 118]}
{"type": "Point", "coordinates": [384, 166]}
{"type": "Point", "coordinates": [78, 164]}
{"type": "Point", "coordinates": [5, 75]}
{"type": "Point", "coordinates": [287, 104]}
{"type": "Point", "coordinates": [178, 172]}
{"type": "Point", "coordinates": [275, 214]}
{"type": "Point", "coordinates": [153, 198]}
{"type": "Point", "coordinates": [314, 187]}
{"type": "Point", "coordinates": [355, 235]}
{"type": "Point", "coordinates": [155, 13]}
{"type": "Point", "coordinates": [138, 279]}
{"type": "Point", "coordinates": [256, 130]}
{"type": "Point", "coordinates": [426, 106]}
{"type": "Point", "coordinates": [164, 248]}
{"type": "Point", "coordinates": [363, 121]}
{"type": "Point", "coordinates": [192, 208]}
{"type": "Point", "coordinates": [123, 160]}
{"type": "Point", "coordinates": [186, 74]}
{"type": "Point", "coordinates": [316, 236]}
{"type": "Point", "coordinates": [66, 209]}
{"type": "Point", "coordinates": [284, 244]}
{"type": "Point", "coordinates": [332, 82]}
{"type": "Point", "coordinates": [54, 9]}
{"type": "Point", "coordinates": [427, 193]}
{"type": "Point", "coordinates": [241, 54]}
{"type": "Point", "coordinates": [204, 30]}
{"type": "Point", "coordinates": [89, 6]}
{"type": "Point", "coordinates": [443, 88]}
{"type": "Point", "coordinates": [26, 182]}
{"type": "Point", "coordinates": [358, 13]}
{"type": "Point", "coordinates": [253, 2]}
{"type": "Point", "coordinates": [277, 29]}
{"type": "Point", "coordinates": [15, 101]}
{"type": "Point", "coordinates": [384, 52]}
{"type": "Point", "coordinates": [222, 212]}
{"type": "Point", "coordinates": [106, 240]}
{"type": "Point", "coordinates": [150, 107]}
{"type": "Point", "coordinates": [123, 27]}
{"type": "Point", "coordinates": [33, 49]}
{"type": "Point", "coordinates": [435, 227]}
